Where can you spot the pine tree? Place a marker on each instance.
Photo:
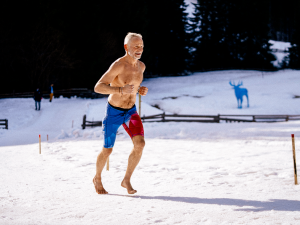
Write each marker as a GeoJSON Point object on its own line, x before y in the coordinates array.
{"type": "Point", "coordinates": [166, 42]}
{"type": "Point", "coordinates": [254, 49]}
{"type": "Point", "coordinates": [294, 56]}
{"type": "Point", "coordinates": [230, 36]}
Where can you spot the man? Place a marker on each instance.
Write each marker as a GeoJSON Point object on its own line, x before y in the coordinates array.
{"type": "Point", "coordinates": [51, 92]}
{"type": "Point", "coordinates": [37, 98]}
{"type": "Point", "coordinates": [122, 82]}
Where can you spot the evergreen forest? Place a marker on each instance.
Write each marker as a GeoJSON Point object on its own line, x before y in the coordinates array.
{"type": "Point", "coordinates": [72, 43]}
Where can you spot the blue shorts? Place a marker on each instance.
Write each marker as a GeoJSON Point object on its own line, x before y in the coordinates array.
{"type": "Point", "coordinates": [114, 118]}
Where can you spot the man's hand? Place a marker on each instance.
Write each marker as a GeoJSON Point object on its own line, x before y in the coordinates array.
{"type": "Point", "coordinates": [143, 91]}
{"type": "Point", "coordinates": [128, 89]}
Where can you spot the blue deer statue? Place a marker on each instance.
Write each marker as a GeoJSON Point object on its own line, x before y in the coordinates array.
{"type": "Point", "coordinates": [239, 93]}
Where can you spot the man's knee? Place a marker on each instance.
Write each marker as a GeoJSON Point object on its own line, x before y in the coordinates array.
{"type": "Point", "coordinates": [107, 151]}
{"type": "Point", "coordinates": [139, 143]}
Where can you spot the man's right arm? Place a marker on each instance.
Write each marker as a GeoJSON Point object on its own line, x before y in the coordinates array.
{"type": "Point", "coordinates": [102, 86]}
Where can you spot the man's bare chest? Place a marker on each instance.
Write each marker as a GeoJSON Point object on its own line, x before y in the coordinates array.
{"type": "Point", "coordinates": [130, 77]}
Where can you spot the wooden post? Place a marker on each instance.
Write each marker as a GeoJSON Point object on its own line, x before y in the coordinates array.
{"type": "Point", "coordinates": [294, 159]}
{"type": "Point", "coordinates": [163, 116]}
{"type": "Point", "coordinates": [140, 101]}
{"type": "Point", "coordinates": [40, 149]}
{"type": "Point", "coordinates": [107, 164]}
{"type": "Point", "coordinates": [83, 122]}
{"type": "Point", "coordinates": [217, 118]}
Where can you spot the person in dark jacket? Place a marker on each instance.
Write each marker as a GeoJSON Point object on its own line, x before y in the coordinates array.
{"type": "Point", "coordinates": [37, 98]}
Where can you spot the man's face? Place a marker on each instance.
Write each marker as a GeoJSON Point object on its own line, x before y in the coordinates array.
{"type": "Point", "coordinates": [135, 47]}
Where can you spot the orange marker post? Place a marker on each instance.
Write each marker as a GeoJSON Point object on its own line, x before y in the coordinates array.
{"type": "Point", "coordinates": [294, 159]}
{"type": "Point", "coordinates": [40, 144]}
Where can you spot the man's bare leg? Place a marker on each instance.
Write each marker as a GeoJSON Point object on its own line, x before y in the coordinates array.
{"type": "Point", "coordinates": [134, 158]}
{"type": "Point", "coordinates": [101, 160]}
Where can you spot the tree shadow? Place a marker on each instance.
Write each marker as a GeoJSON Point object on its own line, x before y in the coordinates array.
{"type": "Point", "coordinates": [254, 206]}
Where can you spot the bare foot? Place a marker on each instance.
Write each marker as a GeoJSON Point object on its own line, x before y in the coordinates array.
{"type": "Point", "coordinates": [128, 186]}
{"type": "Point", "coordinates": [99, 187]}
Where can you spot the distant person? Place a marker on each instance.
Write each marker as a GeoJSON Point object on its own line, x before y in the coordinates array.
{"type": "Point", "coordinates": [37, 98]}
{"type": "Point", "coordinates": [51, 92]}
{"type": "Point", "coordinates": [122, 82]}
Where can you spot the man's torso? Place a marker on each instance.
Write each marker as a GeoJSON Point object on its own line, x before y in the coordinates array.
{"type": "Point", "coordinates": [132, 75]}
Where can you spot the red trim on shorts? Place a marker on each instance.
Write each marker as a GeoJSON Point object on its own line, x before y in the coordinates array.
{"type": "Point", "coordinates": [134, 126]}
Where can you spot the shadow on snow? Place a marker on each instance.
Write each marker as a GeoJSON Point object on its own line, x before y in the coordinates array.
{"type": "Point", "coordinates": [255, 206]}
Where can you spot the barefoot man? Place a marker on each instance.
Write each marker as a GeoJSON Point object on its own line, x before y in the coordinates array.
{"type": "Point", "coordinates": [122, 82]}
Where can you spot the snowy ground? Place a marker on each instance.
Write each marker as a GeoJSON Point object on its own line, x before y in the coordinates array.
{"type": "Point", "coordinates": [190, 173]}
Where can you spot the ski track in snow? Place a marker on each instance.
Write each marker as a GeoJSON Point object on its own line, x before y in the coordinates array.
{"type": "Point", "coordinates": [190, 173]}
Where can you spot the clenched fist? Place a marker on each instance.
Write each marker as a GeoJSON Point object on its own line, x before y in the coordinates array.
{"type": "Point", "coordinates": [143, 91]}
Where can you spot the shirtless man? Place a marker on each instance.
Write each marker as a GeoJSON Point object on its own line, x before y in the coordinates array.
{"type": "Point", "coordinates": [122, 82]}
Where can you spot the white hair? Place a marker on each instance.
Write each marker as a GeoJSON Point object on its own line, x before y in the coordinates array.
{"type": "Point", "coordinates": [131, 35]}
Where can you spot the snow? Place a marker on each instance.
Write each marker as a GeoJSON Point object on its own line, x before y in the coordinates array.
{"type": "Point", "coordinates": [278, 48]}
{"type": "Point", "coordinates": [190, 173]}
{"type": "Point", "coordinates": [280, 45]}
{"type": "Point", "coordinates": [190, 8]}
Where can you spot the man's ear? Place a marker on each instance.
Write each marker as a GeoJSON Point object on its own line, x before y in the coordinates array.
{"type": "Point", "coordinates": [126, 47]}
